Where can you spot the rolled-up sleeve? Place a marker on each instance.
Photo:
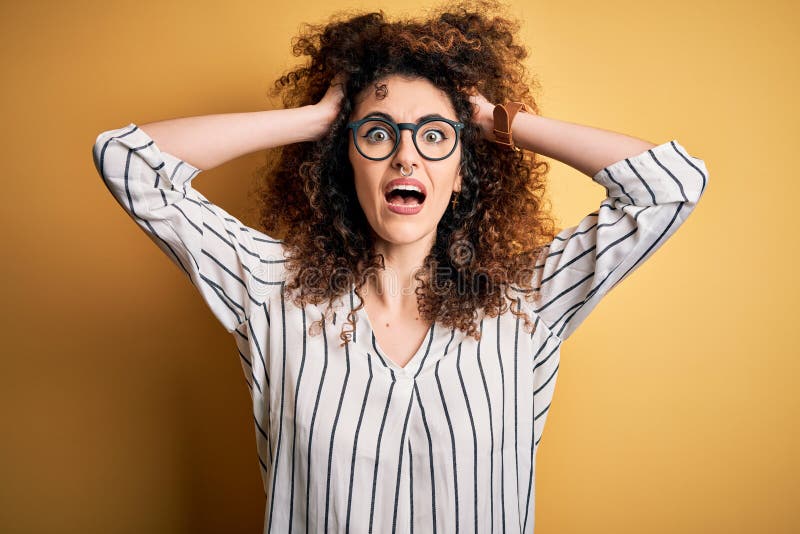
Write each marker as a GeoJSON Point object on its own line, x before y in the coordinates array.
{"type": "Point", "coordinates": [648, 197]}
{"type": "Point", "coordinates": [234, 267]}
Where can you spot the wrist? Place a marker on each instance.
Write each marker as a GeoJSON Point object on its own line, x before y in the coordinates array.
{"type": "Point", "coordinates": [504, 116]}
{"type": "Point", "coordinates": [486, 122]}
{"type": "Point", "coordinates": [320, 118]}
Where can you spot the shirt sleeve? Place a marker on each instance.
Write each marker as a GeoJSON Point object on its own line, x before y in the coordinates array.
{"type": "Point", "coordinates": [233, 266]}
{"type": "Point", "coordinates": [648, 197]}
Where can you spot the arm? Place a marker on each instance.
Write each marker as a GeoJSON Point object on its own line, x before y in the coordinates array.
{"type": "Point", "coordinates": [211, 140]}
{"type": "Point", "coordinates": [650, 191]}
{"type": "Point", "coordinates": [234, 267]}
{"type": "Point", "coordinates": [584, 148]}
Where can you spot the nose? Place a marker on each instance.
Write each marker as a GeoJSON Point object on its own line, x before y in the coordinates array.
{"type": "Point", "coordinates": [406, 154]}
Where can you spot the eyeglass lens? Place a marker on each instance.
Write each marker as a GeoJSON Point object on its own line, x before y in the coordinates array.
{"type": "Point", "coordinates": [435, 139]}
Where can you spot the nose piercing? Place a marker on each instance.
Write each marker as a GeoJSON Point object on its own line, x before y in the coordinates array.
{"type": "Point", "coordinates": [402, 171]}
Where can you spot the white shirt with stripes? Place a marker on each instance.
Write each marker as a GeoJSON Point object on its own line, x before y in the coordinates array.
{"type": "Point", "coordinates": [349, 441]}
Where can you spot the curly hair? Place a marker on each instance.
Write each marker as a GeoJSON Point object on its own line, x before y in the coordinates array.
{"type": "Point", "coordinates": [488, 243]}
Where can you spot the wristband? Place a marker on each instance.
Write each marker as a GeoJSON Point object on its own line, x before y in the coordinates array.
{"type": "Point", "coordinates": [503, 118]}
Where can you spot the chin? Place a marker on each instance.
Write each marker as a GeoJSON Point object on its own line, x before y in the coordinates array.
{"type": "Point", "coordinates": [401, 232]}
{"type": "Point", "coordinates": [402, 229]}
{"type": "Point", "coordinates": [400, 237]}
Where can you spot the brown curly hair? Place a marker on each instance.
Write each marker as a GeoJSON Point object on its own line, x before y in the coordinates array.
{"type": "Point", "coordinates": [489, 243]}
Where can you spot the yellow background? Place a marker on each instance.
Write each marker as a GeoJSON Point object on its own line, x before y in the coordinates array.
{"type": "Point", "coordinates": [123, 403]}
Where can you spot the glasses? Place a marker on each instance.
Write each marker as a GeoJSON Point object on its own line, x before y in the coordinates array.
{"type": "Point", "coordinates": [376, 138]}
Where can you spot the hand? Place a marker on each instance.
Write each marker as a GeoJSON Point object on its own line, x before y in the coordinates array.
{"type": "Point", "coordinates": [482, 113]}
{"type": "Point", "coordinates": [329, 106]}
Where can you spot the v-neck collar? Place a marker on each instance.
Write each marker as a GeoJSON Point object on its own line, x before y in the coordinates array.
{"type": "Point", "coordinates": [439, 341]}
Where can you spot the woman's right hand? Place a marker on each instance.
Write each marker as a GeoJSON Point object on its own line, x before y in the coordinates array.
{"type": "Point", "coordinates": [329, 106]}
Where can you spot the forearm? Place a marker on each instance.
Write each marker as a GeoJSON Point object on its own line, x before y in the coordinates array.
{"type": "Point", "coordinates": [585, 148]}
{"type": "Point", "coordinates": [207, 141]}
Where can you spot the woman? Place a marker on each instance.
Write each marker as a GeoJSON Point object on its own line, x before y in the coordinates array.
{"type": "Point", "coordinates": [401, 342]}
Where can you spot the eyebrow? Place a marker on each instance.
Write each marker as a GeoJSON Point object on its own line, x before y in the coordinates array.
{"type": "Point", "coordinates": [387, 116]}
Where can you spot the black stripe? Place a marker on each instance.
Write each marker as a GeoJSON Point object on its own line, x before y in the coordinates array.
{"type": "Point", "coordinates": [533, 463]}
{"type": "Point", "coordinates": [474, 438]}
{"type": "Point", "coordinates": [152, 231]}
{"type": "Point", "coordinates": [411, 485]}
{"type": "Point", "coordinates": [452, 439]}
{"type": "Point", "coordinates": [266, 312]}
{"type": "Point", "coordinates": [491, 429]}
{"type": "Point", "coordinates": [311, 428]}
{"type": "Point", "coordinates": [674, 179]}
{"type": "Point", "coordinates": [225, 300]}
{"type": "Point", "coordinates": [502, 427]}
{"type": "Point", "coordinates": [695, 167]}
{"type": "Point", "coordinates": [378, 449]}
{"type": "Point", "coordinates": [355, 321]}
{"type": "Point", "coordinates": [621, 187]}
{"type": "Point", "coordinates": [280, 423]}
{"type": "Point", "coordinates": [400, 464]}
{"type": "Point", "coordinates": [242, 335]}
{"type": "Point", "coordinates": [263, 240]}
{"type": "Point", "coordinates": [294, 421]}
{"type": "Point", "coordinates": [333, 433]}
{"type": "Point", "coordinates": [549, 378]}
{"type": "Point", "coordinates": [381, 357]}
{"type": "Point", "coordinates": [553, 351]}
{"type": "Point", "coordinates": [252, 374]}
{"type": "Point", "coordinates": [238, 279]}
{"type": "Point", "coordinates": [652, 245]}
{"type": "Point", "coordinates": [427, 351]}
{"type": "Point", "coordinates": [535, 417]}
{"type": "Point", "coordinates": [199, 230]}
{"type": "Point", "coordinates": [260, 461]}
{"type": "Point", "coordinates": [598, 286]}
{"type": "Point", "coordinates": [260, 429]}
{"type": "Point", "coordinates": [220, 236]}
{"type": "Point", "coordinates": [260, 351]}
{"type": "Point", "coordinates": [644, 182]}
{"type": "Point", "coordinates": [355, 443]}
{"type": "Point", "coordinates": [580, 282]}
{"type": "Point", "coordinates": [430, 458]}
{"type": "Point", "coordinates": [516, 401]}
{"type": "Point", "coordinates": [219, 288]}
{"type": "Point", "coordinates": [564, 264]}
{"type": "Point", "coordinates": [562, 293]}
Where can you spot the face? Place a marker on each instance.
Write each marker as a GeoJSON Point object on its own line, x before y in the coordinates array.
{"type": "Point", "coordinates": [406, 100]}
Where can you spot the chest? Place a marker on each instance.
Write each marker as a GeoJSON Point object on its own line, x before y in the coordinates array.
{"type": "Point", "coordinates": [475, 399]}
{"type": "Point", "coordinates": [399, 337]}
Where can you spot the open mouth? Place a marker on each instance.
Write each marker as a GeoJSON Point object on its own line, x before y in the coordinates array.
{"type": "Point", "coordinates": [405, 195]}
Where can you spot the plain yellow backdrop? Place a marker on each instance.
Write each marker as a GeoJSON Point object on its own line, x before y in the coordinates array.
{"type": "Point", "coordinates": [122, 401]}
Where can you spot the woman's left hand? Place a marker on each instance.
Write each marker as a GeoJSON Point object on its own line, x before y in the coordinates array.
{"type": "Point", "coordinates": [482, 113]}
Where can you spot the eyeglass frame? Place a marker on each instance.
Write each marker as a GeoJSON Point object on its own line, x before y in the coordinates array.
{"type": "Point", "coordinates": [398, 127]}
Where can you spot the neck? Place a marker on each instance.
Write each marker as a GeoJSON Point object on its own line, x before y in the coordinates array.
{"type": "Point", "coordinates": [394, 287]}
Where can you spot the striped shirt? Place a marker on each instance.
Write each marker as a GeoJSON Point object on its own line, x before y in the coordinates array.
{"type": "Point", "coordinates": [349, 441]}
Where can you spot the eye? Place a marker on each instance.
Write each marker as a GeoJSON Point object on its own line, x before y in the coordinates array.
{"type": "Point", "coordinates": [433, 136]}
{"type": "Point", "coordinates": [377, 134]}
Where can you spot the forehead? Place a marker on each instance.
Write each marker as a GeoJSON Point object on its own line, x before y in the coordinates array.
{"type": "Point", "coordinates": [405, 99]}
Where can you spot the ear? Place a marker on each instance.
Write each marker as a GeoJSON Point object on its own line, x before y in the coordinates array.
{"type": "Point", "coordinates": [457, 185]}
